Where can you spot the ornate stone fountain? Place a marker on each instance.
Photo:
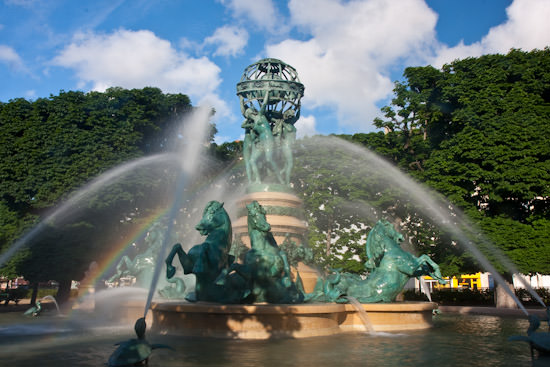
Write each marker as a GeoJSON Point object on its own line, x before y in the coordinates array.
{"type": "Point", "coordinates": [259, 296]}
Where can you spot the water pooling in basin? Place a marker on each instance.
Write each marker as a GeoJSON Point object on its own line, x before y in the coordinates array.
{"type": "Point", "coordinates": [479, 340]}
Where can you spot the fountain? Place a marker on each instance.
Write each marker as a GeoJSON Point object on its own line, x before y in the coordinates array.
{"type": "Point", "coordinates": [270, 103]}
{"type": "Point", "coordinates": [258, 298]}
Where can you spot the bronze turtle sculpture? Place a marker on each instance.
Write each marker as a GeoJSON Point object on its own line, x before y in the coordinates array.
{"type": "Point", "coordinates": [537, 340]}
{"type": "Point", "coordinates": [134, 352]}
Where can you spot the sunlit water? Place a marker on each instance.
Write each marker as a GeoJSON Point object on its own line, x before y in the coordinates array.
{"type": "Point", "coordinates": [455, 340]}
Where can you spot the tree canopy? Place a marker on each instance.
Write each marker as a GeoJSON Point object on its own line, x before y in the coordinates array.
{"type": "Point", "coordinates": [52, 146]}
{"type": "Point", "coordinates": [477, 131]}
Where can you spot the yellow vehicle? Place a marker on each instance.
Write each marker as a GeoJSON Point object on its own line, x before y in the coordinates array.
{"type": "Point", "coordinates": [471, 281]}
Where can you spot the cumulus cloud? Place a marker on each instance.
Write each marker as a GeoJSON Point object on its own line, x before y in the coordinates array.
{"type": "Point", "coordinates": [229, 40]}
{"type": "Point", "coordinates": [135, 59]}
{"type": "Point", "coordinates": [9, 56]}
{"type": "Point", "coordinates": [262, 13]}
{"type": "Point", "coordinates": [305, 126]}
{"type": "Point", "coordinates": [346, 62]}
{"type": "Point", "coordinates": [527, 27]}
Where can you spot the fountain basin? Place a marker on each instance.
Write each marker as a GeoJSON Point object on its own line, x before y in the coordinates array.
{"type": "Point", "coordinates": [266, 321]}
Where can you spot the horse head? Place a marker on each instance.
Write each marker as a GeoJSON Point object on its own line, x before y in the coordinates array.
{"type": "Point", "coordinates": [381, 236]}
{"type": "Point", "coordinates": [388, 230]}
{"type": "Point", "coordinates": [214, 216]}
{"type": "Point", "coordinates": [256, 217]}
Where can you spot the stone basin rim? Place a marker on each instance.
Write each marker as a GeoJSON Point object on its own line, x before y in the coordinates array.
{"type": "Point", "coordinates": [306, 308]}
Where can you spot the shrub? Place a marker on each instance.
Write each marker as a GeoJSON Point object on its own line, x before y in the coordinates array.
{"type": "Point", "coordinates": [528, 300]}
{"type": "Point", "coordinates": [458, 297]}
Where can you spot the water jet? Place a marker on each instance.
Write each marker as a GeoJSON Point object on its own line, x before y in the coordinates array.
{"type": "Point", "coordinates": [189, 326]}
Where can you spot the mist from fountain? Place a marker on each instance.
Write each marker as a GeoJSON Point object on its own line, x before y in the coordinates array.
{"type": "Point", "coordinates": [72, 204]}
{"type": "Point", "coordinates": [425, 289]}
{"type": "Point", "coordinates": [425, 200]}
{"type": "Point", "coordinates": [195, 130]}
{"type": "Point", "coordinates": [361, 161]}
{"type": "Point", "coordinates": [52, 298]}
{"type": "Point", "coordinates": [182, 164]}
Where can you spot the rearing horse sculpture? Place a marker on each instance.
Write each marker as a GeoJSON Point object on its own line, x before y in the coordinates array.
{"type": "Point", "coordinates": [390, 267]}
{"type": "Point", "coordinates": [265, 274]}
{"type": "Point", "coordinates": [270, 271]}
{"type": "Point", "coordinates": [208, 259]}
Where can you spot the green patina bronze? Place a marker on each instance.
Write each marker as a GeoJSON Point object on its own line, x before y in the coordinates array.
{"type": "Point", "coordinates": [268, 265]}
{"type": "Point", "coordinates": [142, 266]}
{"type": "Point", "coordinates": [134, 352]}
{"type": "Point", "coordinates": [277, 210]}
{"type": "Point", "coordinates": [389, 266]}
{"type": "Point", "coordinates": [538, 340]}
{"type": "Point", "coordinates": [34, 311]}
{"type": "Point", "coordinates": [208, 259]}
{"type": "Point", "coordinates": [269, 94]}
{"type": "Point", "coordinates": [176, 288]}
{"type": "Point", "coordinates": [296, 253]}
{"type": "Point", "coordinates": [265, 274]}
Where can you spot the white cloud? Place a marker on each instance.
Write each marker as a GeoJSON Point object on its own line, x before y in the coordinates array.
{"type": "Point", "coordinates": [9, 56]}
{"type": "Point", "coordinates": [345, 64]}
{"type": "Point", "coordinates": [136, 59]}
{"type": "Point", "coordinates": [527, 28]}
{"type": "Point", "coordinates": [262, 13]}
{"type": "Point", "coordinates": [305, 126]}
{"type": "Point", "coordinates": [223, 111]}
{"type": "Point", "coordinates": [230, 41]}
{"type": "Point", "coordinates": [222, 139]}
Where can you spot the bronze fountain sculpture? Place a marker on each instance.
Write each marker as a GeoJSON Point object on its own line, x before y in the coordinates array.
{"type": "Point", "coordinates": [270, 99]}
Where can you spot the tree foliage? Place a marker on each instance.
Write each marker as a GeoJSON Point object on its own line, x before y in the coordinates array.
{"type": "Point", "coordinates": [477, 131]}
{"type": "Point", "coordinates": [52, 146]}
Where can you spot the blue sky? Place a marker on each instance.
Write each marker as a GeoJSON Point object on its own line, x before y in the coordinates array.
{"type": "Point", "coordinates": [348, 53]}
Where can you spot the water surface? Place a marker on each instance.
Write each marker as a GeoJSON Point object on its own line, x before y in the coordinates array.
{"type": "Point", "coordinates": [455, 340]}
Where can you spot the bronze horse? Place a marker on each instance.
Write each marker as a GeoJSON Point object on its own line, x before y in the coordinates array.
{"type": "Point", "coordinates": [208, 259]}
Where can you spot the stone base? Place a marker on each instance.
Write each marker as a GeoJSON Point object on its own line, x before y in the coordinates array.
{"type": "Point", "coordinates": [281, 224]}
{"type": "Point", "coordinates": [265, 321]}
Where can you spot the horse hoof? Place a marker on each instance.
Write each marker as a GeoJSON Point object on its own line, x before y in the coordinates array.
{"type": "Point", "coordinates": [170, 271]}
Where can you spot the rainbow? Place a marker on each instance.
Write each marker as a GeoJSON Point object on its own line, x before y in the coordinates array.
{"type": "Point", "coordinates": [117, 250]}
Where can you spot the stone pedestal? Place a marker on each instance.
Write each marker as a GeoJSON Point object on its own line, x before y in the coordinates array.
{"type": "Point", "coordinates": [284, 212]}
{"type": "Point", "coordinates": [266, 321]}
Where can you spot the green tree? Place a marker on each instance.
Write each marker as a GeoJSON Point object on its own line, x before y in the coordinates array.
{"type": "Point", "coordinates": [488, 145]}
{"type": "Point", "coordinates": [52, 146]}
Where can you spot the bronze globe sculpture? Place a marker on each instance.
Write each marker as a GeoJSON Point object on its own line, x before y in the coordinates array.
{"type": "Point", "coordinates": [270, 94]}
